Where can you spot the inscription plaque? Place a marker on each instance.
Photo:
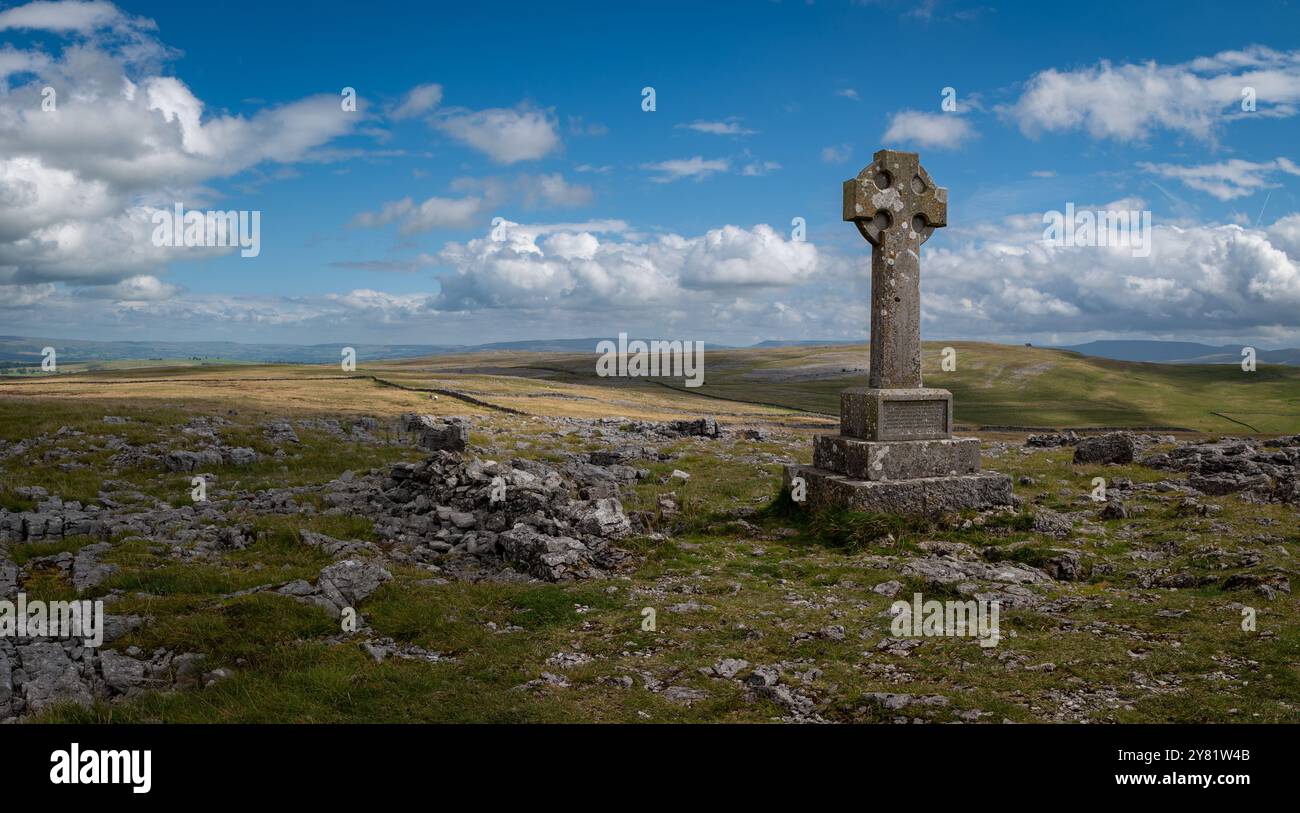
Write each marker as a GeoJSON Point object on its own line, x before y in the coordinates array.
{"type": "Point", "coordinates": [905, 419]}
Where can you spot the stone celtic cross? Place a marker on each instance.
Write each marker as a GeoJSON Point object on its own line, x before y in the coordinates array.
{"type": "Point", "coordinates": [896, 207]}
{"type": "Point", "coordinates": [895, 453]}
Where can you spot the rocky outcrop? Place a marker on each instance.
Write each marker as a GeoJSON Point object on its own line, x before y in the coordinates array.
{"type": "Point", "coordinates": [1268, 471]}
{"type": "Point", "coordinates": [39, 673]}
{"type": "Point", "coordinates": [523, 513]}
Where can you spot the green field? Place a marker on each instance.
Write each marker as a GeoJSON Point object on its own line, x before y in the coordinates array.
{"type": "Point", "coordinates": [1004, 385]}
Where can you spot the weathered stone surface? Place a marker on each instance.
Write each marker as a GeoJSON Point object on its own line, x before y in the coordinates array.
{"type": "Point", "coordinates": [927, 496]}
{"type": "Point", "coordinates": [338, 548]}
{"type": "Point", "coordinates": [894, 702]}
{"type": "Point", "coordinates": [896, 460]}
{"type": "Point", "coordinates": [700, 427]}
{"type": "Point", "coordinates": [896, 207]}
{"type": "Point", "coordinates": [605, 518]}
{"type": "Point", "coordinates": [1047, 521]}
{"type": "Point", "coordinates": [279, 432]}
{"type": "Point", "coordinates": [1051, 440]}
{"type": "Point", "coordinates": [1113, 509]}
{"type": "Point", "coordinates": [1067, 566]}
{"type": "Point", "coordinates": [900, 414]}
{"type": "Point", "coordinates": [6, 684]}
{"type": "Point", "coordinates": [1228, 483]}
{"type": "Point", "coordinates": [1115, 447]}
{"type": "Point", "coordinates": [944, 570]}
{"type": "Point", "coordinates": [241, 456]}
{"type": "Point", "coordinates": [347, 582]}
{"type": "Point", "coordinates": [183, 461]}
{"type": "Point", "coordinates": [8, 574]}
{"type": "Point", "coordinates": [121, 672]}
{"type": "Point", "coordinates": [52, 676]}
{"type": "Point", "coordinates": [554, 558]}
{"type": "Point", "coordinates": [451, 437]}
{"type": "Point", "coordinates": [87, 570]}
{"type": "Point", "coordinates": [1268, 471]}
{"type": "Point", "coordinates": [1267, 585]}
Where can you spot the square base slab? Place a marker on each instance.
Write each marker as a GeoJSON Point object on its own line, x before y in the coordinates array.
{"type": "Point", "coordinates": [896, 459]}
{"type": "Point", "coordinates": [907, 414]}
{"type": "Point", "coordinates": [924, 496]}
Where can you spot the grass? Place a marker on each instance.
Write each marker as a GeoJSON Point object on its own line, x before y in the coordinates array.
{"type": "Point", "coordinates": [740, 573]}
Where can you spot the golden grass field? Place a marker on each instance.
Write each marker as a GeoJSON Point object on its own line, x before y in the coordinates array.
{"type": "Point", "coordinates": [992, 385]}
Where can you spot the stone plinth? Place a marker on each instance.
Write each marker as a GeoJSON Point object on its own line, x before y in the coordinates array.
{"type": "Point", "coordinates": [897, 460]}
{"type": "Point", "coordinates": [923, 496]}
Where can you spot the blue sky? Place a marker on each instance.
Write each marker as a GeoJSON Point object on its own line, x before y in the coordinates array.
{"type": "Point", "coordinates": [376, 224]}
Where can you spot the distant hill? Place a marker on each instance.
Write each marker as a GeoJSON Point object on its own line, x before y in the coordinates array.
{"type": "Point", "coordinates": [806, 342]}
{"type": "Point", "coordinates": [16, 350]}
{"type": "Point", "coordinates": [26, 350]}
{"type": "Point", "coordinates": [1179, 352]}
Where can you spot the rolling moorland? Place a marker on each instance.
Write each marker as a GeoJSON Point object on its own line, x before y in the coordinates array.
{"type": "Point", "coordinates": [1128, 610]}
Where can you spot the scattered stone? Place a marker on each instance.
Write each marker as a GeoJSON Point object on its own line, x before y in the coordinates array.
{"type": "Point", "coordinates": [1066, 566]}
{"type": "Point", "coordinates": [729, 667]}
{"type": "Point", "coordinates": [888, 589]}
{"type": "Point", "coordinates": [1115, 447]}
{"type": "Point", "coordinates": [1051, 440]}
{"type": "Point", "coordinates": [941, 570]}
{"type": "Point", "coordinates": [900, 647]}
{"type": "Point", "coordinates": [87, 570]}
{"type": "Point", "coordinates": [346, 583]}
{"type": "Point", "coordinates": [684, 695]}
{"type": "Point", "coordinates": [893, 702]}
{"type": "Point", "coordinates": [449, 435]}
{"type": "Point", "coordinates": [280, 432]}
{"type": "Point", "coordinates": [1113, 509]}
{"type": "Point", "coordinates": [700, 427]}
{"type": "Point", "coordinates": [1267, 585]}
{"type": "Point", "coordinates": [1047, 521]}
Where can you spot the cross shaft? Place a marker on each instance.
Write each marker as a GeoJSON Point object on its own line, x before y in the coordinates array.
{"type": "Point", "coordinates": [896, 207]}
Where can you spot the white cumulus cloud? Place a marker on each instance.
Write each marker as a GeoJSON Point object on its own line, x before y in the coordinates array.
{"type": "Point", "coordinates": [587, 266]}
{"type": "Point", "coordinates": [696, 167]}
{"type": "Point", "coordinates": [934, 130]}
{"type": "Point", "coordinates": [1226, 180]}
{"type": "Point", "coordinates": [506, 135]}
{"type": "Point", "coordinates": [1127, 102]}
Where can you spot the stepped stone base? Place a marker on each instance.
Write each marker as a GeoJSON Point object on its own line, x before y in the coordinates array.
{"type": "Point", "coordinates": [897, 459]}
{"type": "Point", "coordinates": [923, 496]}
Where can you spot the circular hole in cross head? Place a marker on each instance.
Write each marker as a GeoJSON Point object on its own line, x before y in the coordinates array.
{"type": "Point", "coordinates": [881, 221]}
{"type": "Point", "coordinates": [883, 180]}
{"type": "Point", "coordinates": [918, 185]}
{"type": "Point", "coordinates": [918, 224]}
